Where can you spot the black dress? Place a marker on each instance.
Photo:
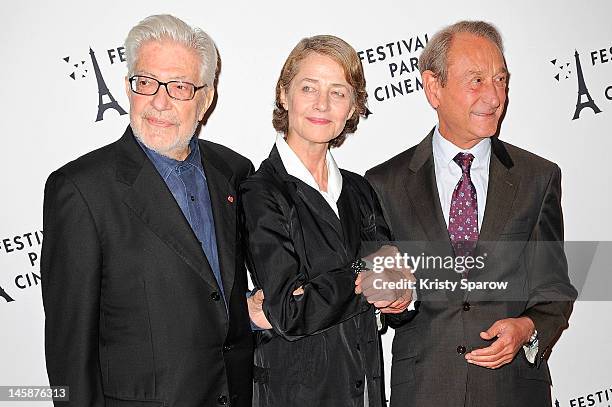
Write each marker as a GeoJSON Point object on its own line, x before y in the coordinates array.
{"type": "Point", "coordinates": [324, 344]}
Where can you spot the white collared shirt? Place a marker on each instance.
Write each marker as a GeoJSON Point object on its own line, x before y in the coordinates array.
{"type": "Point", "coordinates": [296, 168]}
{"type": "Point", "coordinates": [448, 171]}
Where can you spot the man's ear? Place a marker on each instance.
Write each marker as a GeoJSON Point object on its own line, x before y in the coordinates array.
{"type": "Point", "coordinates": [432, 86]}
{"type": "Point", "coordinates": [208, 99]}
{"type": "Point", "coordinates": [128, 89]}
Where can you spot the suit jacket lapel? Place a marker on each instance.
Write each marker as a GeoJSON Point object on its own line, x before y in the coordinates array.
{"type": "Point", "coordinates": [149, 198]}
{"type": "Point", "coordinates": [223, 197]}
{"type": "Point", "coordinates": [501, 192]}
{"type": "Point", "coordinates": [423, 192]}
{"type": "Point", "coordinates": [311, 197]}
{"type": "Point", "coordinates": [317, 205]}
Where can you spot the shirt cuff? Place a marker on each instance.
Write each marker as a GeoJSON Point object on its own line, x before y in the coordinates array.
{"type": "Point", "coordinates": [414, 299]}
{"type": "Point", "coordinates": [531, 352]}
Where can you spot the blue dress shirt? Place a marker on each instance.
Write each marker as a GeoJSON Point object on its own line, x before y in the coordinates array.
{"type": "Point", "coordinates": [187, 183]}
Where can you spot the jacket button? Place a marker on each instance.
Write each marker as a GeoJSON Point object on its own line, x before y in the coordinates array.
{"type": "Point", "coordinates": [466, 306]}
{"type": "Point", "coordinates": [215, 296]}
{"type": "Point", "coordinates": [358, 384]}
{"type": "Point", "coordinates": [222, 400]}
{"type": "Point", "coordinates": [227, 348]}
{"type": "Point", "coordinates": [461, 349]}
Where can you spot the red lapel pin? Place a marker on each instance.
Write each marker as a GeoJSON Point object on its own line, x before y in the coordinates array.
{"type": "Point", "coordinates": [230, 199]}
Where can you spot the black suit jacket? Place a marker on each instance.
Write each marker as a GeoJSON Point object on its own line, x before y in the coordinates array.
{"type": "Point", "coordinates": [521, 234]}
{"type": "Point", "coordinates": [134, 315]}
{"type": "Point", "coordinates": [325, 342]}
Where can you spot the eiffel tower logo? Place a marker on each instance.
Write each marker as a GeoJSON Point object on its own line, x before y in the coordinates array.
{"type": "Point", "coordinates": [4, 295]}
{"type": "Point", "coordinates": [103, 91]}
{"type": "Point", "coordinates": [583, 92]}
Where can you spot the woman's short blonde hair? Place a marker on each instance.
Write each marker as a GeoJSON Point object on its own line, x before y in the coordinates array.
{"type": "Point", "coordinates": [341, 52]}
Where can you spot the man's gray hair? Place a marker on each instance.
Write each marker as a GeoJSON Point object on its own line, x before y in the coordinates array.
{"type": "Point", "coordinates": [163, 27]}
{"type": "Point", "coordinates": [434, 57]}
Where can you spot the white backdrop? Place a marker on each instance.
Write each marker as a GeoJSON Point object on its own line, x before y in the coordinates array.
{"type": "Point", "coordinates": [48, 118]}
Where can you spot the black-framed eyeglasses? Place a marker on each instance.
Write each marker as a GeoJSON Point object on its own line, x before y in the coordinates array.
{"type": "Point", "coordinates": [179, 90]}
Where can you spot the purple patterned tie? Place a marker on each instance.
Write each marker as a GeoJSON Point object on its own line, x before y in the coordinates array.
{"type": "Point", "coordinates": [463, 217]}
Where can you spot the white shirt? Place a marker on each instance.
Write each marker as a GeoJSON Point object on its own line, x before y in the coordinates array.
{"type": "Point", "coordinates": [448, 171]}
{"type": "Point", "coordinates": [296, 168]}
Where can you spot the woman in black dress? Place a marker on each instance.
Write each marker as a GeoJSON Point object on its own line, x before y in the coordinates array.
{"type": "Point", "coordinates": [307, 223]}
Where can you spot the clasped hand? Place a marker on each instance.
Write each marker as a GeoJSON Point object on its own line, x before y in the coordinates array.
{"type": "Point", "coordinates": [387, 289]}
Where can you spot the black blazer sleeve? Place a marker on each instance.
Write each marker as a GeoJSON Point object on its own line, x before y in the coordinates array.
{"type": "Point", "coordinates": [551, 294]}
{"type": "Point", "coordinates": [70, 271]}
{"type": "Point", "coordinates": [279, 266]}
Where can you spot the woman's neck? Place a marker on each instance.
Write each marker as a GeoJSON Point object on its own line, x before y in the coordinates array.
{"type": "Point", "coordinates": [314, 158]}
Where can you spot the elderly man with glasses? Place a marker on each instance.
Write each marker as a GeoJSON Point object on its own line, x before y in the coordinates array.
{"type": "Point", "coordinates": [143, 278]}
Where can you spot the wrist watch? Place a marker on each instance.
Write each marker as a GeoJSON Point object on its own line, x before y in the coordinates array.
{"type": "Point", "coordinates": [533, 340]}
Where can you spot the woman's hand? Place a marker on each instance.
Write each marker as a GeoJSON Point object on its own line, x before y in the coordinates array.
{"type": "Point", "coordinates": [387, 288]}
{"type": "Point", "coordinates": [255, 305]}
